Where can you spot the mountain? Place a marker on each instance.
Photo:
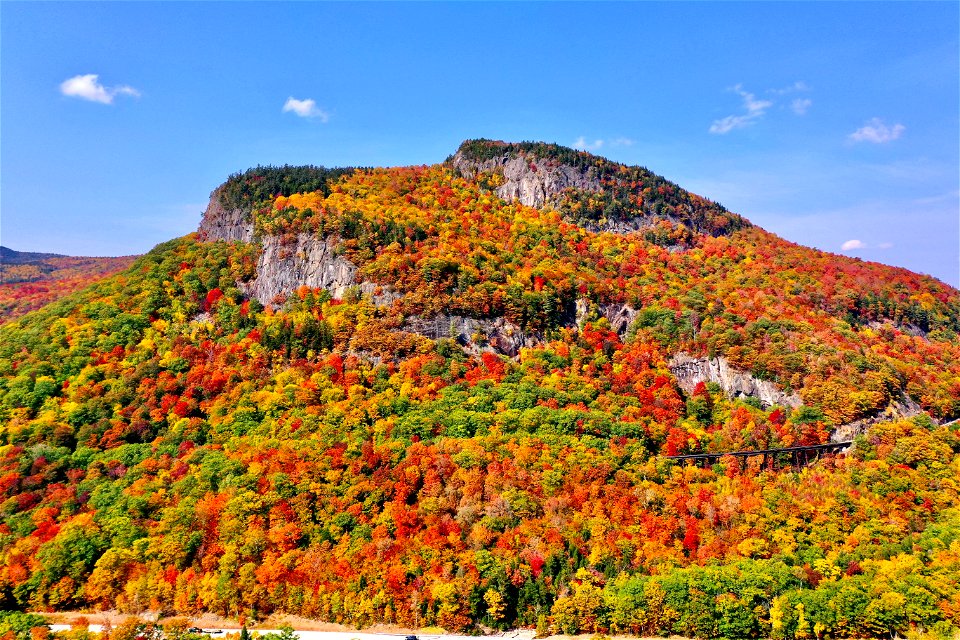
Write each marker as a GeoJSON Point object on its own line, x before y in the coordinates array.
{"type": "Point", "coordinates": [444, 395]}
{"type": "Point", "coordinates": [9, 256]}
{"type": "Point", "coordinates": [733, 304]}
{"type": "Point", "coordinates": [29, 280]}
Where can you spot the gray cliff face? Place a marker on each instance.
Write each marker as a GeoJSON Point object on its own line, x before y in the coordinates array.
{"type": "Point", "coordinates": [537, 183]}
{"type": "Point", "coordinates": [308, 261]}
{"type": "Point", "coordinates": [903, 326]}
{"type": "Point", "coordinates": [529, 180]}
{"type": "Point", "coordinates": [903, 408]}
{"type": "Point", "coordinates": [735, 383]}
{"type": "Point", "coordinates": [219, 223]}
{"type": "Point", "coordinates": [496, 334]}
{"type": "Point", "coordinates": [620, 316]}
{"type": "Point", "coordinates": [284, 266]}
{"type": "Point", "coordinates": [631, 225]}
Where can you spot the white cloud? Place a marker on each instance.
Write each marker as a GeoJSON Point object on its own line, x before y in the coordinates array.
{"type": "Point", "coordinates": [305, 109]}
{"type": "Point", "coordinates": [850, 245]}
{"type": "Point", "coordinates": [799, 85]}
{"type": "Point", "coordinates": [728, 124]}
{"type": "Point", "coordinates": [800, 105]}
{"type": "Point", "coordinates": [581, 143]}
{"type": "Point", "coordinates": [754, 110]}
{"type": "Point", "coordinates": [88, 87]}
{"type": "Point", "coordinates": [877, 132]}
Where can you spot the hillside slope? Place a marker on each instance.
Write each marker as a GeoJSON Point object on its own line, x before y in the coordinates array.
{"type": "Point", "coordinates": [29, 281]}
{"type": "Point", "coordinates": [404, 395]}
{"type": "Point", "coordinates": [438, 248]}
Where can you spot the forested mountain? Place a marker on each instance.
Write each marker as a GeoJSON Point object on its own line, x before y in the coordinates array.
{"type": "Point", "coordinates": [444, 395]}
{"type": "Point", "coordinates": [30, 280]}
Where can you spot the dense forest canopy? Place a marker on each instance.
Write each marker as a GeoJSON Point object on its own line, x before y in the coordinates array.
{"type": "Point", "coordinates": [170, 443]}
{"type": "Point", "coordinates": [261, 184]}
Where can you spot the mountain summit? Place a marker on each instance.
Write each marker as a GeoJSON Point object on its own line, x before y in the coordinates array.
{"type": "Point", "coordinates": [589, 190]}
{"type": "Point", "coordinates": [505, 243]}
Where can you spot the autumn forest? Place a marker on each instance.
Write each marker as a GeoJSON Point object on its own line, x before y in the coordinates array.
{"type": "Point", "coordinates": [174, 440]}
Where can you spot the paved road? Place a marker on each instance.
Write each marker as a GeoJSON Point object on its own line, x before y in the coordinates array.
{"type": "Point", "coordinates": [332, 635]}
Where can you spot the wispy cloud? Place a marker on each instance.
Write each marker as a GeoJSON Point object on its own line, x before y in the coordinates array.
{"type": "Point", "coordinates": [797, 86]}
{"type": "Point", "coordinates": [877, 132]}
{"type": "Point", "coordinates": [753, 111]}
{"type": "Point", "coordinates": [755, 108]}
{"type": "Point", "coordinates": [584, 145]}
{"type": "Point", "coordinates": [581, 143]}
{"type": "Point", "coordinates": [88, 87]}
{"type": "Point", "coordinates": [305, 109]}
{"type": "Point", "coordinates": [800, 105]}
{"type": "Point", "coordinates": [851, 245]}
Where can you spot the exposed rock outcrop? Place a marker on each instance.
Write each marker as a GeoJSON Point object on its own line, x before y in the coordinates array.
{"type": "Point", "coordinates": [620, 316]}
{"type": "Point", "coordinates": [501, 335]}
{"type": "Point", "coordinates": [496, 334]}
{"type": "Point", "coordinates": [284, 266]}
{"type": "Point", "coordinates": [902, 326]}
{"type": "Point", "coordinates": [219, 223]}
{"type": "Point", "coordinates": [581, 311]}
{"type": "Point", "coordinates": [538, 182]}
{"type": "Point", "coordinates": [905, 407]}
{"type": "Point", "coordinates": [529, 180]}
{"type": "Point", "coordinates": [735, 383]}
{"type": "Point", "coordinates": [308, 261]}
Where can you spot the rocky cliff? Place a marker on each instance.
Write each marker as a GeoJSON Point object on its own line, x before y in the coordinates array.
{"type": "Point", "coordinates": [735, 383]}
{"type": "Point", "coordinates": [283, 266]}
{"type": "Point", "coordinates": [309, 261]}
{"type": "Point", "coordinates": [545, 182]}
{"type": "Point", "coordinates": [222, 223]}
{"type": "Point", "coordinates": [620, 316]}
{"type": "Point", "coordinates": [593, 192]}
{"type": "Point", "coordinates": [903, 408]}
{"type": "Point", "coordinates": [475, 334]}
{"type": "Point", "coordinates": [527, 179]}
{"type": "Point", "coordinates": [738, 384]}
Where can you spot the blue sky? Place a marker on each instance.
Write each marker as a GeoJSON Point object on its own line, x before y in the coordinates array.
{"type": "Point", "coordinates": [833, 125]}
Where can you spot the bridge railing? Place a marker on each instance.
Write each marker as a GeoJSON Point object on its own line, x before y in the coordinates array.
{"type": "Point", "coordinates": [798, 455]}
